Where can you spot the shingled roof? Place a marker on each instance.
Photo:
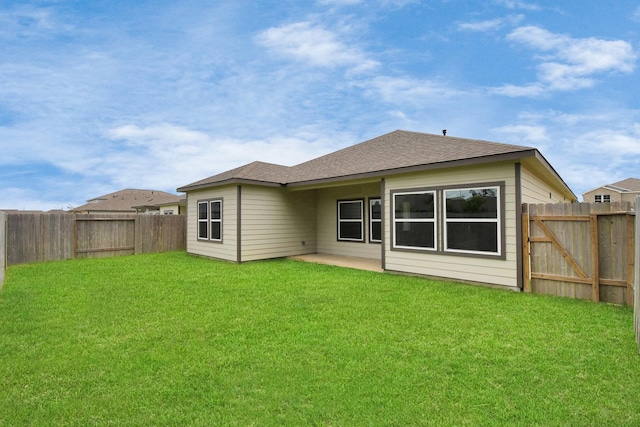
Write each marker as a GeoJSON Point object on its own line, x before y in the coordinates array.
{"type": "Point", "coordinates": [394, 152]}
{"type": "Point", "coordinates": [631, 185]}
{"type": "Point", "coordinates": [125, 200]}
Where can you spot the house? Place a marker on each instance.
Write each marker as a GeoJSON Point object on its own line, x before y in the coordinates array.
{"type": "Point", "coordinates": [622, 191]}
{"type": "Point", "coordinates": [416, 203]}
{"type": "Point", "coordinates": [128, 201]}
{"type": "Point", "coordinates": [175, 205]}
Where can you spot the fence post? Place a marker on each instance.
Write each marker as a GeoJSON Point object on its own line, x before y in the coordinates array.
{"type": "Point", "coordinates": [526, 258]}
{"type": "Point", "coordinates": [636, 290]}
{"type": "Point", "coordinates": [595, 252]}
{"type": "Point", "coordinates": [3, 246]}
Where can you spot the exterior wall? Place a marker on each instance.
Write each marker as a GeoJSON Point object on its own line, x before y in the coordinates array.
{"type": "Point", "coordinates": [169, 210]}
{"type": "Point", "coordinates": [615, 196]}
{"type": "Point", "coordinates": [328, 221]}
{"type": "Point", "coordinates": [534, 190]}
{"type": "Point", "coordinates": [502, 272]}
{"type": "Point", "coordinates": [629, 197]}
{"type": "Point", "coordinates": [227, 249]}
{"type": "Point", "coordinates": [277, 223]}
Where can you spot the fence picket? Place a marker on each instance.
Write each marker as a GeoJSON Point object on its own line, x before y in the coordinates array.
{"type": "Point", "coordinates": [580, 250]}
{"type": "Point", "coordinates": [36, 237]}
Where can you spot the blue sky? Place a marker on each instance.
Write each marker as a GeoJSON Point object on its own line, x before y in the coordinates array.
{"type": "Point", "coordinates": [96, 97]}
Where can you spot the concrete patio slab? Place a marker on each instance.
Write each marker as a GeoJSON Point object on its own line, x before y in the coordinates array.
{"type": "Point", "coordinates": [342, 261]}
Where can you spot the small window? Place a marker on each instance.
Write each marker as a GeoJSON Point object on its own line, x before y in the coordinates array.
{"type": "Point", "coordinates": [598, 198]}
{"type": "Point", "coordinates": [210, 220]}
{"type": "Point", "coordinates": [472, 220]}
{"type": "Point", "coordinates": [375, 220]}
{"type": "Point", "coordinates": [606, 198]}
{"type": "Point", "coordinates": [351, 220]}
{"type": "Point", "coordinates": [203, 218]}
{"type": "Point", "coordinates": [414, 220]}
{"type": "Point", "coordinates": [216, 220]}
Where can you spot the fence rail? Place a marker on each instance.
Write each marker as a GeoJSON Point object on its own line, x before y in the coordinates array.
{"type": "Point", "coordinates": [37, 237]}
{"type": "Point", "coordinates": [580, 250]}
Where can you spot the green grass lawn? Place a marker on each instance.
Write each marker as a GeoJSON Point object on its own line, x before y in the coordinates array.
{"type": "Point", "coordinates": [175, 340]}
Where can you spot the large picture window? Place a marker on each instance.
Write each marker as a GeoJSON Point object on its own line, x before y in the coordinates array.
{"type": "Point", "coordinates": [414, 220]}
{"type": "Point", "coordinates": [351, 220]}
{"type": "Point", "coordinates": [210, 220]}
{"type": "Point", "coordinates": [472, 220]}
{"type": "Point", "coordinates": [375, 220]}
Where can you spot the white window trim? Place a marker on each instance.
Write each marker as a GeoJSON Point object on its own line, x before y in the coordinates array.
{"type": "Point", "coordinates": [216, 220]}
{"type": "Point", "coordinates": [497, 221]}
{"type": "Point", "coordinates": [208, 220]}
{"type": "Point", "coordinates": [361, 221]}
{"type": "Point", "coordinates": [203, 220]}
{"type": "Point", "coordinates": [372, 220]}
{"type": "Point", "coordinates": [433, 220]}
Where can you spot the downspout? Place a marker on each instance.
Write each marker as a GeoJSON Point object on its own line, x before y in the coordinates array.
{"type": "Point", "coordinates": [239, 225]}
{"type": "Point", "coordinates": [382, 225]}
{"type": "Point", "coordinates": [520, 279]}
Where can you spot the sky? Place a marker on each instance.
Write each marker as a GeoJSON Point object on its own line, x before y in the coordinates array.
{"type": "Point", "coordinates": [99, 96]}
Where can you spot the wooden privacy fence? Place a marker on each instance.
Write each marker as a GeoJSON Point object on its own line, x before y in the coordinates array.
{"type": "Point", "coordinates": [580, 250]}
{"type": "Point", "coordinates": [3, 246]}
{"type": "Point", "coordinates": [36, 237]}
{"type": "Point", "coordinates": [636, 306]}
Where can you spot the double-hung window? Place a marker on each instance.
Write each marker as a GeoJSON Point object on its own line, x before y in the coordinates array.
{"type": "Point", "coordinates": [414, 220]}
{"type": "Point", "coordinates": [375, 220]}
{"type": "Point", "coordinates": [210, 220]}
{"type": "Point", "coordinates": [472, 220]}
{"type": "Point", "coordinates": [351, 220]}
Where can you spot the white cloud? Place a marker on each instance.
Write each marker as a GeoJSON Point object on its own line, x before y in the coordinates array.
{"type": "Point", "coordinates": [518, 4]}
{"type": "Point", "coordinates": [531, 134]}
{"type": "Point", "coordinates": [314, 45]}
{"type": "Point", "coordinates": [394, 3]}
{"type": "Point", "coordinates": [490, 25]}
{"type": "Point", "coordinates": [569, 63]}
{"type": "Point", "coordinates": [338, 2]}
{"type": "Point", "coordinates": [531, 90]}
{"type": "Point", "coordinates": [30, 22]}
{"type": "Point", "coordinates": [167, 156]}
{"type": "Point", "coordinates": [617, 144]}
{"type": "Point", "coordinates": [481, 26]}
{"type": "Point", "coordinates": [406, 90]}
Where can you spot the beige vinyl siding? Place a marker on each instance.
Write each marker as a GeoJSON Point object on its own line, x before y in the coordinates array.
{"type": "Point", "coordinates": [628, 197]}
{"type": "Point", "coordinates": [501, 272]}
{"type": "Point", "coordinates": [535, 190]}
{"type": "Point", "coordinates": [615, 196]}
{"type": "Point", "coordinates": [277, 223]}
{"type": "Point", "coordinates": [175, 209]}
{"type": "Point", "coordinates": [227, 249]}
{"type": "Point", "coordinates": [328, 221]}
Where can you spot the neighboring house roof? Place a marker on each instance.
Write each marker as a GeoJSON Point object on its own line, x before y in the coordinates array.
{"type": "Point", "coordinates": [163, 201]}
{"type": "Point", "coordinates": [395, 152]}
{"type": "Point", "coordinates": [629, 185]}
{"type": "Point", "coordinates": [125, 200]}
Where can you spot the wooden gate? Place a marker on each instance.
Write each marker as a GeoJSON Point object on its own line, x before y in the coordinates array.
{"type": "Point", "coordinates": [579, 250]}
{"type": "Point", "coordinates": [98, 237]}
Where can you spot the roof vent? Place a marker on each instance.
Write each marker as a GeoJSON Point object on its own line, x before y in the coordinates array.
{"type": "Point", "coordinates": [444, 132]}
